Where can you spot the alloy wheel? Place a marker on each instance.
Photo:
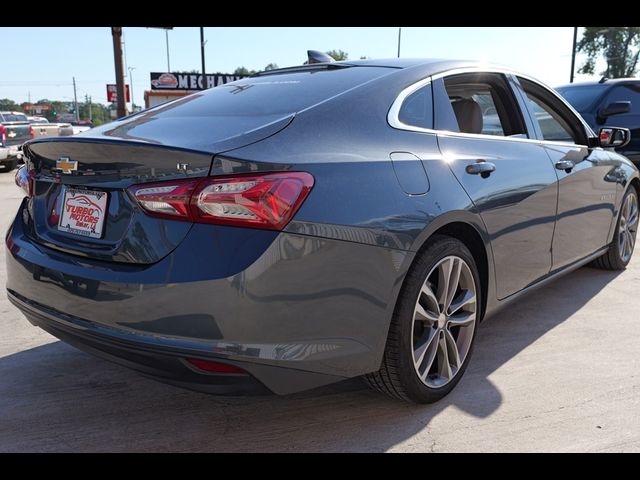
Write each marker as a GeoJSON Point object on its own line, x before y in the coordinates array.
{"type": "Point", "coordinates": [628, 227]}
{"type": "Point", "coordinates": [444, 321]}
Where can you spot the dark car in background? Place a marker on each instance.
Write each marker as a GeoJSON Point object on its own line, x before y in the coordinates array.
{"type": "Point", "coordinates": [15, 129]}
{"type": "Point", "coordinates": [609, 103]}
{"type": "Point", "coordinates": [315, 223]}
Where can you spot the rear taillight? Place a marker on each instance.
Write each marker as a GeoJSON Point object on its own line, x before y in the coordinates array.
{"type": "Point", "coordinates": [25, 179]}
{"type": "Point", "coordinates": [3, 134]}
{"type": "Point", "coordinates": [31, 134]}
{"type": "Point", "coordinates": [266, 200]}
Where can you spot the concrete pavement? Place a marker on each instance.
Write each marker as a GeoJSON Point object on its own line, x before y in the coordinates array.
{"type": "Point", "coordinates": [556, 371]}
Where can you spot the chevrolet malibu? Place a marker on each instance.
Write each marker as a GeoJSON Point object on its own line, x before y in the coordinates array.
{"type": "Point", "coordinates": [316, 223]}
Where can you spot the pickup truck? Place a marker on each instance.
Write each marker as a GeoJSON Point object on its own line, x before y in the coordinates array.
{"type": "Point", "coordinates": [42, 128]}
{"type": "Point", "coordinates": [15, 129]}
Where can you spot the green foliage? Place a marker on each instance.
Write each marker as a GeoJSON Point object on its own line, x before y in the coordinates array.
{"type": "Point", "coordinates": [271, 66]}
{"type": "Point", "coordinates": [338, 55]}
{"type": "Point", "coordinates": [243, 71]}
{"type": "Point", "coordinates": [9, 105]}
{"type": "Point", "coordinates": [620, 46]}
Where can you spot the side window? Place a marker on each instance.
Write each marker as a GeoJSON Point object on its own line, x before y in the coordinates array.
{"type": "Point", "coordinates": [417, 108]}
{"type": "Point", "coordinates": [557, 123]}
{"type": "Point", "coordinates": [483, 103]}
{"type": "Point", "coordinates": [629, 93]}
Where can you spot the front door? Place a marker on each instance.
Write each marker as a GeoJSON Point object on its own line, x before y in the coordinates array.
{"type": "Point", "coordinates": [587, 189]}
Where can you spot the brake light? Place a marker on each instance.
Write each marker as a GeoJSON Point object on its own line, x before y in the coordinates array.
{"type": "Point", "coordinates": [25, 179]}
{"type": "Point", "coordinates": [3, 134]}
{"type": "Point", "coordinates": [214, 367]}
{"type": "Point", "coordinates": [31, 134]}
{"type": "Point", "coordinates": [266, 200]}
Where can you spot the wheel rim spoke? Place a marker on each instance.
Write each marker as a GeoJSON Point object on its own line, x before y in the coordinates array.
{"type": "Point", "coordinates": [465, 299]}
{"type": "Point", "coordinates": [444, 368]}
{"type": "Point", "coordinates": [452, 349]}
{"type": "Point", "coordinates": [444, 276]}
{"type": "Point", "coordinates": [462, 320]}
{"type": "Point", "coordinates": [427, 356]}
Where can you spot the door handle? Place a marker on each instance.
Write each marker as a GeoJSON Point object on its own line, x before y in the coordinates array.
{"type": "Point", "coordinates": [481, 167]}
{"type": "Point", "coordinates": [565, 165]}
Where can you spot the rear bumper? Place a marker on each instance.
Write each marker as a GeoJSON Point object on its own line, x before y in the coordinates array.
{"type": "Point", "coordinates": [163, 364]}
{"type": "Point", "coordinates": [303, 313]}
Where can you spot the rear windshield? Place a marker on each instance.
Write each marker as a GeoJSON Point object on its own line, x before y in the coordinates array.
{"type": "Point", "coordinates": [267, 95]}
{"type": "Point", "coordinates": [581, 97]}
{"type": "Point", "coordinates": [14, 117]}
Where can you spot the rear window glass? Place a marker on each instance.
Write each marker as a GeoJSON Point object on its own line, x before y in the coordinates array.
{"type": "Point", "coordinates": [271, 94]}
{"type": "Point", "coordinates": [417, 109]}
{"type": "Point", "coordinates": [14, 117]}
{"type": "Point", "coordinates": [581, 98]}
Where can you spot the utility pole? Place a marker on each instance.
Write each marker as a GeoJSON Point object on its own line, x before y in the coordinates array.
{"type": "Point", "coordinates": [399, 37]}
{"type": "Point", "coordinates": [90, 109]}
{"type": "Point", "coordinates": [166, 33]}
{"type": "Point", "coordinates": [75, 100]}
{"type": "Point", "coordinates": [573, 53]}
{"type": "Point", "coordinates": [133, 105]}
{"type": "Point", "coordinates": [202, 42]}
{"type": "Point", "coordinates": [116, 32]}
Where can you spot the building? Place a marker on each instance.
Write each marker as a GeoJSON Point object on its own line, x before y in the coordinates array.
{"type": "Point", "coordinates": [167, 86]}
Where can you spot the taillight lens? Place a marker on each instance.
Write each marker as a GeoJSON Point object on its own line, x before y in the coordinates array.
{"type": "Point", "coordinates": [25, 179]}
{"type": "Point", "coordinates": [214, 367]}
{"type": "Point", "coordinates": [3, 134]}
{"type": "Point", "coordinates": [266, 200]}
{"type": "Point", "coordinates": [31, 134]}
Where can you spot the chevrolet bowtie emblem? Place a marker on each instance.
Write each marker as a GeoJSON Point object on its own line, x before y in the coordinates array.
{"type": "Point", "coordinates": [66, 165]}
{"type": "Point", "coordinates": [12, 134]}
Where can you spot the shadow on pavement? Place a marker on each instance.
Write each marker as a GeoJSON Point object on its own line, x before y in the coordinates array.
{"type": "Point", "coordinates": [55, 398]}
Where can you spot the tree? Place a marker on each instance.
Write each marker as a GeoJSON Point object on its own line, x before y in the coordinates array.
{"type": "Point", "coordinates": [620, 47]}
{"type": "Point", "coordinates": [243, 71]}
{"type": "Point", "coordinates": [271, 66]}
{"type": "Point", "coordinates": [9, 105]}
{"type": "Point", "coordinates": [338, 55]}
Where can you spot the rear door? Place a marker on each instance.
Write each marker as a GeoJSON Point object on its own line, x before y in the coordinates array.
{"type": "Point", "coordinates": [485, 128]}
{"type": "Point", "coordinates": [587, 188]}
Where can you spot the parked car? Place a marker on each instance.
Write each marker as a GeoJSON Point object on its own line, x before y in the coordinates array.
{"type": "Point", "coordinates": [609, 103]}
{"type": "Point", "coordinates": [42, 128]}
{"type": "Point", "coordinates": [81, 126]}
{"type": "Point", "coordinates": [315, 223]}
{"type": "Point", "coordinates": [15, 129]}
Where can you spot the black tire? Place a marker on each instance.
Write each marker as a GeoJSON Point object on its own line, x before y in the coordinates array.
{"type": "Point", "coordinates": [9, 165]}
{"type": "Point", "coordinates": [397, 376]}
{"type": "Point", "coordinates": [612, 258]}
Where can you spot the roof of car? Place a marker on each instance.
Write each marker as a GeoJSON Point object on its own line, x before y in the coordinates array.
{"type": "Point", "coordinates": [434, 65]}
{"type": "Point", "coordinates": [608, 81]}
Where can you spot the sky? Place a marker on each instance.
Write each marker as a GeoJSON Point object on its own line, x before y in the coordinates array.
{"type": "Point", "coordinates": [48, 58]}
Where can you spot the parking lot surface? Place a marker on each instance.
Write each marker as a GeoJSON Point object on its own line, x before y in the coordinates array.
{"type": "Point", "coordinates": [555, 371]}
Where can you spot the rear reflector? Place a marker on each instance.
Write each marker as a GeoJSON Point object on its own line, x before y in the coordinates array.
{"type": "Point", "coordinates": [214, 367]}
{"type": "Point", "coordinates": [266, 200]}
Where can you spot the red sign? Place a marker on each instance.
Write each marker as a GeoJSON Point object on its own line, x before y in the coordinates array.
{"type": "Point", "coordinates": [41, 107]}
{"type": "Point", "coordinates": [112, 93]}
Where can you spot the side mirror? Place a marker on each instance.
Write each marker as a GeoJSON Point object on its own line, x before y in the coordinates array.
{"type": "Point", "coordinates": [615, 108]}
{"type": "Point", "coordinates": [614, 137]}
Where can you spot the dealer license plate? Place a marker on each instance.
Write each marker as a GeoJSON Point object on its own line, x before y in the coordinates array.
{"type": "Point", "coordinates": [83, 212]}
